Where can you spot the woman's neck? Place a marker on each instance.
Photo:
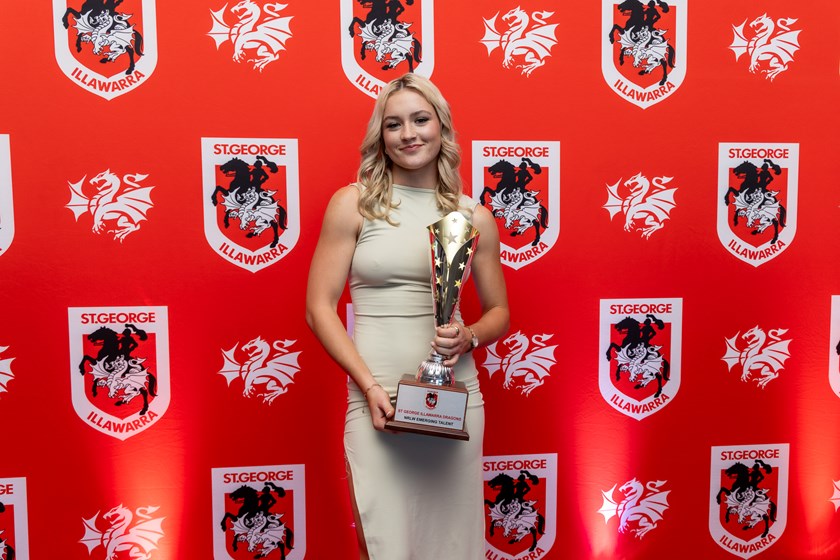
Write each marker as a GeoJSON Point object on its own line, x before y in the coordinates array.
{"type": "Point", "coordinates": [419, 179]}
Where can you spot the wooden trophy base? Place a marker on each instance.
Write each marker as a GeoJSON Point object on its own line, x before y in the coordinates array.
{"type": "Point", "coordinates": [433, 410]}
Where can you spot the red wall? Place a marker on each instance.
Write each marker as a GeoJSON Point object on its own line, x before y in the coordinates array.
{"type": "Point", "coordinates": [60, 471]}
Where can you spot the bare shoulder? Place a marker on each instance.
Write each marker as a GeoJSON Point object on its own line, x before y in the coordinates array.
{"type": "Point", "coordinates": [343, 209]}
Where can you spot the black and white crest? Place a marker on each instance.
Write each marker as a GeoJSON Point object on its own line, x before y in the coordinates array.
{"type": "Point", "coordinates": [383, 39]}
{"type": "Point", "coordinates": [748, 502]}
{"type": "Point", "coordinates": [250, 199]}
{"type": "Point", "coordinates": [119, 372]}
{"type": "Point", "coordinates": [107, 47]}
{"type": "Point", "coordinates": [259, 510]}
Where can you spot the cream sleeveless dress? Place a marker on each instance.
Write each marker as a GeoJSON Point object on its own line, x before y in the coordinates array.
{"type": "Point", "coordinates": [419, 497]}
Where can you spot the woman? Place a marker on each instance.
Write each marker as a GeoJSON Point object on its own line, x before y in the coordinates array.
{"type": "Point", "coordinates": [414, 496]}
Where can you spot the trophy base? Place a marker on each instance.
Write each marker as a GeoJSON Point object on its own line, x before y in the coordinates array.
{"type": "Point", "coordinates": [428, 409]}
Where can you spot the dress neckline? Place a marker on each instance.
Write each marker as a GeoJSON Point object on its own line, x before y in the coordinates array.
{"type": "Point", "coordinates": [406, 188]}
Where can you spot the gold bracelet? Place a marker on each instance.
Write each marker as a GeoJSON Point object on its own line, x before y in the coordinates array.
{"type": "Point", "coordinates": [366, 391]}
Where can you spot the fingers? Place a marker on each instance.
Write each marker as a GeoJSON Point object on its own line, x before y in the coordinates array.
{"type": "Point", "coordinates": [451, 341]}
{"type": "Point", "coordinates": [379, 404]}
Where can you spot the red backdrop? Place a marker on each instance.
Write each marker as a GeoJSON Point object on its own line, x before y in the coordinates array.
{"type": "Point", "coordinates": [104, 205]}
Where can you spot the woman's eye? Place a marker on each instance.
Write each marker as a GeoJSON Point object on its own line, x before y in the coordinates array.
{"type": "Point", "coordinates": [422, 120]}
{"type": "Point", "coordinates": [392, 125]}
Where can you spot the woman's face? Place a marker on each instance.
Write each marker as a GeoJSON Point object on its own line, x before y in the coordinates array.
{"type": "Point", "coordinates": [411, 135]}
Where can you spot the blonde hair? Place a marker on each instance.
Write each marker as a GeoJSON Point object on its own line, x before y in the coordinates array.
{"type": "Point", "coordinates": [375, 168]}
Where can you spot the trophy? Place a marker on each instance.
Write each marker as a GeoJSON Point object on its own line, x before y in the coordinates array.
{"type": "Point", "coordinates": [432, 402]}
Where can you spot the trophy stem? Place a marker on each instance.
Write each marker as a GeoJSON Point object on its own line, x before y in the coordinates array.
{"type": "Point", "coordinates": [433, 372]}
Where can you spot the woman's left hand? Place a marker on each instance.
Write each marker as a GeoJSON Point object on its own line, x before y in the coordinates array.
{"type": "Point", "coordinates": [451, 341]}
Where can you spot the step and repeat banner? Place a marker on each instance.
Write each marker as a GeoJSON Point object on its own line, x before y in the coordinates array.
{"type": "Point", "coordinates": [663, 180]}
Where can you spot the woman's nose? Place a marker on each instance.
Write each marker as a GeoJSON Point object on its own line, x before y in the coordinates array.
{"type": "Point", "coordinates": [407, 132]}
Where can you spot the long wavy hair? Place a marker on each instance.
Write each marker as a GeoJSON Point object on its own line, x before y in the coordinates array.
{"type": "Point", "coordinates": [375, 168]}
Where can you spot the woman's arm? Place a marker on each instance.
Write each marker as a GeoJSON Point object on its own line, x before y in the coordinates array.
{"type": "Point", "coordinates": [489, 280]}
{"type": "Point", "coordinates": [327, 277]}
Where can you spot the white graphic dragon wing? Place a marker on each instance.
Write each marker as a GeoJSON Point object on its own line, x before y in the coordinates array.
{"type": "Point", "coordinates": [835, 497]}
{"type": "Point", "coordinates": [135, 201]}
{"type": "Point", "coordinates": [276, 31]}
{"type": "Point", "coordinates": [146, 534]}
{"type": "Point", "coordinates": [93, 536]}
{"type": "Point", "coordinates": [733, 355]}
{"type": "Point", "coordinates": [284, 365]}
{"type": "Point", "coordinates": [6, 374]}
{"type": "Point", "coordinates": [542, 38]}
{"type": "Point", "coordinates": [220, 32]}
{"type": "Point", "coordinates": [660, 203]}
{"type": "Point", "coordinates": [784, 45]}
{"type": "Point", "coordinates": [79, 203]}
{"type": "Point", "coordinates": [492, 38]}
{"type": "Point", "coordinates": [609, 508]}
{"type": "Point", "coordinates": [774, 354]}
{"type": "Point", "coordinates": [231, 369]}
{"type": "Point", "coordinates": [739, 41]}
{"type": "Point", "coordinates": [655, 504]}
{"type": "Point", "coordinates": [615, 203]}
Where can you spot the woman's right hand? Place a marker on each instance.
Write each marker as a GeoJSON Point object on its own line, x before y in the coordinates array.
{"type": "Point", "coordinates": [379, 403]}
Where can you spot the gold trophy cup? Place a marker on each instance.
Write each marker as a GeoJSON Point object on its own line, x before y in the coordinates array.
{"type": "Point", "coordinates": [432, 402]}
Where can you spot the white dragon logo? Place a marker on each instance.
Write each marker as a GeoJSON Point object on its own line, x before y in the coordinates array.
{"type": "Point", "coordinates": [254, 41]}
{"type": "Point", "coordinates": [646, 204]}
{"type": "Point", "coordinates": [265, 375]}
{"type": "Point", "coordinates": [771, 46]}
{"type": "Point", "coordinates": [750, 505]}
{"type": "Point", "coordinates": [264, 531]}
{"type": "Point", "coordinates": [6, 374]}
{"type": "Point", "coordinates": [118, 374]}
{"type": "Point", "coordinates": [116, 208]}
{"type": "Point", "coordinates": [136, 538]}
{"type": "Point", "coordinates": [760, 208]}
{"type": "Point", "coordinates": [525, 362]}
{"type": "Point", "coordinates": [762, 359]}
{"type": "Point", "coordinates": [526, 41]}
{"type": "Point", "coordinates": [640, 508]}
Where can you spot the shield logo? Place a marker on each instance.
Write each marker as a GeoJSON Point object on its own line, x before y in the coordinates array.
{"type": "Point", "coordinates": [259, 509]}
{"type": "Point", "coordinates": [748, 501]}
{"type": "Point", "coordinates": [519, 182]}
{"type": "Point", "coordinates": [834, 350]}
{"type": "Point", "coordinates": [14, 534]}
{"type": "Point", "coordinates": [640, 344]}
{"type": "Point", "coordinates": [382, 40]}
{"type": "Point", "coordinates": [7, 209]}
{"type": "Point", "coordinates": [643, 49]}
{"type": "Point", "coordinates": [119, 367]}
{"type": "Point", "coordinates": [520, 526]}
{"type": "Point", "coordinates": [757, 199]}
{"type": "Point", "coordinates": [107, 47]}
{"type": "Point", "coordinates": [250, 197]}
